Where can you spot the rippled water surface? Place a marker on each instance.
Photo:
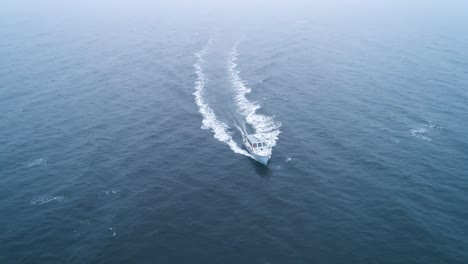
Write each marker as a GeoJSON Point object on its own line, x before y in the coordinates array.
{"type": "Point", "coordinates": [119, 139]}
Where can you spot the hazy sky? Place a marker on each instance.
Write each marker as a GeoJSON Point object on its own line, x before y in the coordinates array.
{"type": "Point", "coordinates": [429, 15]}
{"type": "Point", "coordinates": [239, 8]}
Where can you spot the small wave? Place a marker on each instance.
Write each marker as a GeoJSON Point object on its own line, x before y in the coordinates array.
{"type": "Point", "coordinates": [210, 121]}
{"type": "Point", "coordinates": [37, 163]}
{"type": "Point", "coordinates": [263, 124]}
{"type": "Point", "coordinates": [46, 199]}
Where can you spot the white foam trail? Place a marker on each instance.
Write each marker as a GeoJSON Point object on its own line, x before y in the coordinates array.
{"type": "Point", "coordinates": [263, 124]}
{"type": "Point", "coordinates": [210, 120]}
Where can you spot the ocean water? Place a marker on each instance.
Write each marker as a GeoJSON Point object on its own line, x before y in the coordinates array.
{"type": "Point", "coordinates": [119, 139]}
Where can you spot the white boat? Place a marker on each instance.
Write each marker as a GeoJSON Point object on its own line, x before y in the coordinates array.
{"type": "Point", "coordinates": [257, 147]}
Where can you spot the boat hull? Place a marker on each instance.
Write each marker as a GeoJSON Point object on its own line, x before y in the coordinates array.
{"type": "Point", "coordinates": [262, 159]}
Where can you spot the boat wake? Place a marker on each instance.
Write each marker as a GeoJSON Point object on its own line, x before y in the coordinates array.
{"type": "Point", "coordinates": [210, 121]}
{"type": "Point", "coordinates": [262, 124]}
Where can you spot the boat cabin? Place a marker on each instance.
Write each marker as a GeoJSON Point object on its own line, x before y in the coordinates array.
{"type": "Point", "coordinates": [255, 142]}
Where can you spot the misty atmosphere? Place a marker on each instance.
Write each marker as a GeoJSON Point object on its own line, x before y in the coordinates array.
{"type": "Point", "coordinates": [233, 131]}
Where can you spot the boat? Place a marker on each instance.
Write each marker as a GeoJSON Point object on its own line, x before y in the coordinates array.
{"type": "Point", "coordinates": [259, 148]}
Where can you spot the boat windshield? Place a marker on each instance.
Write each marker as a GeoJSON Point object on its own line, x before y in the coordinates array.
{"type": "Point", "coordinates": [259, 144]}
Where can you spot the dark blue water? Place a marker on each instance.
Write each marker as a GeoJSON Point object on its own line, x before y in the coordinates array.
{"type": "Point", "coordinates": [108, 156]}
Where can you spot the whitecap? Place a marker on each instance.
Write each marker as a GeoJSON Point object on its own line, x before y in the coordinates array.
{"type": "Point", "coordinates": [262, 124]}
{"type": "Point", "coordinates": [112, 191]}
{"type": "Point", "coordinates": [432, 125]}
{"type": "Point", "coordinates": [37, 163]}
{"type": "Point", "coordinates": [425, 130]}
{"type": "Point", "coordinates": [420, 133]}
{"type": "Point", "coordinates": [45, 199]}
{"type": "Point", "coordinates": [114, 233]}
{"type": "Point", "coordinates": [210, 120]}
